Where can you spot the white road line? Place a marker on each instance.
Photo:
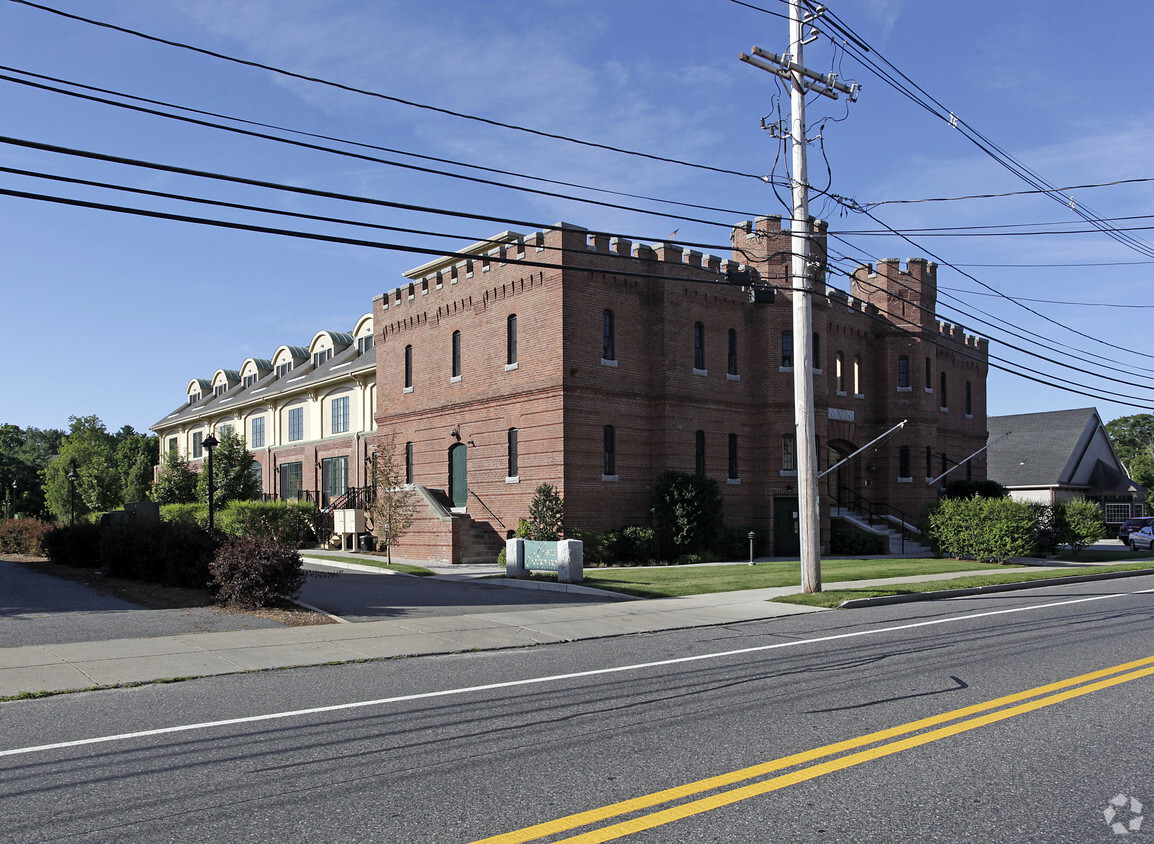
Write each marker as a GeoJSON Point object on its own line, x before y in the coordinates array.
{"type": "Point", "coordinates": [273, 716]}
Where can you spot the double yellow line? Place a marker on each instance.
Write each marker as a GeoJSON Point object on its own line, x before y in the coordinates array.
{"type": "Point", "coordinates": [965, 719]}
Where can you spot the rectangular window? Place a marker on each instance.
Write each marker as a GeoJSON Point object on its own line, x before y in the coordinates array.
{"type": "Point", "coordinates": [839, 372]}
{"type": "Point", "coordinates": [249, 380]}
{"type": "Point", "coordinates": [1117, 512]}
{"type": "Point", "coordinates": [857, 375]}
{"type": "Point", "coordinates": [364, 343]}
{"type": "Point", "coordinates": [296, 426]}
{"type": "Point", "coordinates": [284, 369]}
{"type": "Point", "coordinates": [511, 341]}
{"type": "Point", "coordinates": [225, 431]}
{"type": "Point", "coordinates": [609, 440]}
{"type": "Point", "coordinates": [817, 351]}
{"type": "Point", "coordinates": [942, 398]}
{"type": "Point", "coordinates": [731, 367]}
{"type": "Point", "coordinates": [608, 344]}
{"type": "Point", "coordinates": [698, 346]}
{"type": "Point", "coordinates": [322, 357]}
{"type": "Point", "coordinates": [904, 462]}
{"type": "Point", "coordinates": [903, 373]}
{"type": "Point", "coordinates": [929, 462]}
{"type": "Point", "coordinates": [788, 453]}
{"type": "Point", "coordinates": [408, 367]}
{"type": "Point", "coordinates": [699, 452]}
{"type": "Point", "coordinates": [969, 400]}
{"type": "Point", "coordinates": [341, 415]}
{"type": "Point", "coordinates": [733, 457]}
{"type": "Point", "coordinates": [334, 479]}
{"type": "Point", "coordinates": [258, 432]}
{"type": "Point", "coordinates": [219, 390]}
{"type": "Point", "coordinates": [197, 439]}
{"type": "Point", "coordinates": [929, 376]}
{"type": "Point", "coordinates": [172, 445]}
{"type": "Point", "coordinates": [456, 354]}
{"type": "Point", "coordinates": [787, 349]}
{"type": "Point", "coordinates": [291, 475]}
{"type": "Point", "coordinates": [511, 470]}
{"type": "Point", "coordinates": [408, 462]}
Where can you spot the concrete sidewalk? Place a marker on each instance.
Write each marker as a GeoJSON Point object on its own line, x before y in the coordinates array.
{"type": "Point", "coordinates": [86, 665]}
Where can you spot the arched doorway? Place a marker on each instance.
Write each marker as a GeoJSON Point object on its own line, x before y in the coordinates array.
{"type": "Point", "coordinates": [458, 474]}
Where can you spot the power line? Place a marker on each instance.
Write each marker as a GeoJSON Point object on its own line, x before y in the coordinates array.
{"type": "Point", "coordinates": [378, 95]}
{"type": "Point", "coordinates": [1053, 301]}
{"type": "Point", "coordinates": [1066, 189]}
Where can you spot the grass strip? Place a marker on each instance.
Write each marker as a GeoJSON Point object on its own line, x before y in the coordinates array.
{"type": "Point", "coordinates": [835, 597]}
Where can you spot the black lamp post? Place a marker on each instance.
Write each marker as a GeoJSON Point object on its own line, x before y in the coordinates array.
{"type": "Point", "coordinates": [72, 495]}
{"type": "Point", "coordinates": [210, 442]}
{"type": "Point", "coordinates": [15, 498]}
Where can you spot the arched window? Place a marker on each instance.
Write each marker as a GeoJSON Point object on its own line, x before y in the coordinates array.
{"type": "Point", "coordinates": [511, 340]}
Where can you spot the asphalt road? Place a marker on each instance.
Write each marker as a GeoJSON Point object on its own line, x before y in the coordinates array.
{"type": "Point", "coordinates": [504, 740]}
{"type": "Point", "coordinates": [356, 596]}
{"type": "Point", "coordinates": [39, 609]}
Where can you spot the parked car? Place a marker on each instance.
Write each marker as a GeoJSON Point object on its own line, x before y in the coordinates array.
{"type": "Point", "coordinates": [1143, 538]}
{"type": "Point", "coordinates": [1131, 525]}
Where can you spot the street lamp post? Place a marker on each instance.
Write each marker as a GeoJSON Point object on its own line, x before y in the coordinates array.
{"type": "Point", "coordinates": [210, 442]}
{"type": "Point", "coordinates": [15, 500]}
{"type": "Point", "coordinates": [72, 495]}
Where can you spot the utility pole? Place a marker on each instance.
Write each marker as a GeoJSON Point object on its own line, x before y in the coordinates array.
{"type": "Point", "coordinates": [801, 81]}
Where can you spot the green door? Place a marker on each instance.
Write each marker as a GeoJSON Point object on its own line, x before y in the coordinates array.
{"type": "Point", "coordinates": [786, 535]}
{"type": "Point", "coordinates": [458, 474]}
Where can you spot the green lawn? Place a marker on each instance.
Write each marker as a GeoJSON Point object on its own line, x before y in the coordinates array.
{"type": "Point", "coordinates": [834, 598]}
{"type": "Point", "coordinates": [380, 563]}
{"type": "Point", "coordinates": [671, 581]}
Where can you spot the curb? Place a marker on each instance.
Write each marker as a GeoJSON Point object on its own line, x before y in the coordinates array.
{"type": "Point", "coordinates": [861, 603]}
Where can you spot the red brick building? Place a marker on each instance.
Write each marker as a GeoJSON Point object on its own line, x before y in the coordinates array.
{"type": "Point", "coordinates": [594, 364]}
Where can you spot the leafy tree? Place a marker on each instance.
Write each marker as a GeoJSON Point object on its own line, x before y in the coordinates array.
{"type": "Point", "coordinates": [394, 504]}
{"type": "Point", "coordinates": [175, 482]}
{"type": "Point", "coordinates": [546, 514]}
{"type": "Point", "coordinates": [232, 473]}
{"type": "Point", "coordinates": [24, 455]}
{"type": "Point", "coordinates": [89, 449]}
{"type": "Point", "coordinates": [131, 449]}
{"type": "Point", "coordinates": [687, 511]}
{"type": "Point", "coordinates": [1133, 441]}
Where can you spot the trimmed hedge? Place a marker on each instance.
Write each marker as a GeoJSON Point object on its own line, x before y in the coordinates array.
{"type": "Point", "coordinates": [285, 521]}
{"type": "Point", "coordinates": [990, 530]}
{"type": "Point", "coordinates": [23, 536]}
{"type": "Point", "coordinates": [172, 553]}
{"type": "Point", "coordinates": [256, 572]}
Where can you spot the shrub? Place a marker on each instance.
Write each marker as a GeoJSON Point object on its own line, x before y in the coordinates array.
{"type": "Point", "coordinates": [288, 522]}
{"type": "Point", "coordinates": [172, 553]}
{"type": "Point", "coordinates": [987, 529]}
{"type": "Point", "coordinates": [74, 545]}
{"type": "Point", "coordinates": [1047, 520]}
{"type": "Point", "coordinates": [189, 514]}
{"type": "Point", "coordinates": [968, 489]}
{"type": "Point", "coordinates": [846, 538]}
{"type": "Point", "coordinates": [256, 572]}
{"type": "Point", "coordinates": [687, 510]}
{"type": "Point", "coordinates": [1080, 524]}
{"type": "Point", "coordinates": [23, 536]}
{"type": "Point", "coordinates": [546, 514]}
{"type": "Point", "coordinates": [639, 544]}
{"type": "Point", "coordinates": [696, 559]}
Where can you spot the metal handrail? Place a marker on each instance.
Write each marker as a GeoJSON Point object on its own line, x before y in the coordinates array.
{"type": "Point", "coordinates": [875, 512]}
{"type": "Point", "coordinates": [486, 506]}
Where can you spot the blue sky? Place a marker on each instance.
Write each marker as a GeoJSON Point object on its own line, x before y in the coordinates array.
{"type": "Point", "coordinates": [111, 315]}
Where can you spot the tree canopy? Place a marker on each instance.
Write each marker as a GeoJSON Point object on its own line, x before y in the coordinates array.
{"type": "Point", "coordinates": [1133, 441]}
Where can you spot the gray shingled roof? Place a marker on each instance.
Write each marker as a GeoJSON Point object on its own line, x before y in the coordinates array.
{"type": "Point", "coordinates": [1038, 451]}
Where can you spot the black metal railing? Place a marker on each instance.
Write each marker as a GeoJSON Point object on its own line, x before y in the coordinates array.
{"type": "Point", "coordinates": [487, 510]}
{"type": "Point", "coordinates": [354, 498]}
{"type": "Point", "coordinates": [877, 513]}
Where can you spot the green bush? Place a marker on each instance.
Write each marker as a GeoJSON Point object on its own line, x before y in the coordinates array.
{"type": "Point", "coordinates": [639, 544]}
{"type": "Point", "coordinates": [189, 514]}
{"type": "Point", "coordinates": [968, 489]}
{"type": "Point", "coordinates": [1081, 524]}
{"type": "Point", "coordinates": [687, 511]}
{"type": "Point", "coordinates": [288, 522]}
{"type": "Point", "coordinates": [256, 572]}
{"type": "Point", "coordinates": [849, 539]}
{"type": "Point", "coordinates": [23, 536]}
{"type": "Point", "coordinates": [696, 559]}
{"type": "Point", "coordinates": [546, 514]}
{"type": "Point", "coordinates": [986, 529]}
{"type": "Point", "coordinates": [74, 545]}
{"type": "Point", "coordinates": [172, 553]}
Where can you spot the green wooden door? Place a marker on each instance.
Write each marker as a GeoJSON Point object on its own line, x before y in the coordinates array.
{"type": "Point", "coordinates": [458, 474]}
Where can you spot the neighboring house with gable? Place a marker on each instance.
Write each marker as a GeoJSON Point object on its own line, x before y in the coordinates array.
{"type": "Point", "coordinates": [1059, 456]}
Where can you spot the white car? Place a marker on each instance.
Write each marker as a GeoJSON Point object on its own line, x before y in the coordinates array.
{"type": "Point", "coordinates": [1143, 538]}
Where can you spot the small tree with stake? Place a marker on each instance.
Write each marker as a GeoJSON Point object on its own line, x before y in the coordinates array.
{"type": "Point", "coordinates": [394, 504]}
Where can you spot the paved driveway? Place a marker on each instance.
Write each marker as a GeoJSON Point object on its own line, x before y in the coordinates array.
{"type": "Point", "coordinates": [357, 596]}
{"type": "Point", "coordinates": [39, 609]}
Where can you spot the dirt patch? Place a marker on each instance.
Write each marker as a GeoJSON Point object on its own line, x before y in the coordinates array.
{"type": "Point", "coordinates": [158, 597]}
